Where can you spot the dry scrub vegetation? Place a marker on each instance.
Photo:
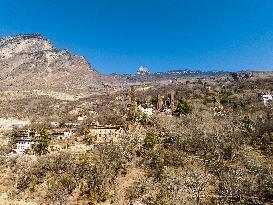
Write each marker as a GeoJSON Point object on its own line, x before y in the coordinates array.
{"type": "Point", "coordinates": [197, 158]}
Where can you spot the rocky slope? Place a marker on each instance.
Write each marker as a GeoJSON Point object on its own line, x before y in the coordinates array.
{"type": "Point", "coordinates": [30, 61]}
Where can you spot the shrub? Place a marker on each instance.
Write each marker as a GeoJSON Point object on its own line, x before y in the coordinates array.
{"type": "Point", "coordinates": [136, 190]}
{"type": "Point", "coordinates": [150, 140]}
{"type": "Point", "coordinates": [210, 100]}
{"type": "Point", "coordinates": [162, 196]}
{"type": "Point", "coordinates": [224, 100]}
{"type": "Point", "coordinates": [89, 138]}
{"type": "Point", "coordinates": [249, 132]}
{"type": "Point", "coordinates": [32, 185]}
{"type": "Point", "coordinates": [41, 142]}
{"type": "Point", "coordinates": [183, 107]}
{"type": "Point", "coordinates": [238, 104]}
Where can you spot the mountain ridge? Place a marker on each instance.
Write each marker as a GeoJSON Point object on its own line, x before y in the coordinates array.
{"type": "Point", "coordinates": [29, 61]}
{"type": "Point", "coordinates": [32, 62]}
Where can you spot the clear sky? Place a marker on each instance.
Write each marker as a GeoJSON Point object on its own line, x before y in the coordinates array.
{"type": "Point", "coordinates": [121, 35]}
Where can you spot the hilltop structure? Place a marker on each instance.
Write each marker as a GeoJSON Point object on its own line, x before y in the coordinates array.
{"type": "Point", "coordinates": [143, 70]}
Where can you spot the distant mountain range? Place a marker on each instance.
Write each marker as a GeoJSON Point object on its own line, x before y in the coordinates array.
{"type": "Point", "coordinates": [31, 62]}
{"type": "Point", "coordinates": [168, 75]}
{"type": "Point", "coordinates": [191, 73]}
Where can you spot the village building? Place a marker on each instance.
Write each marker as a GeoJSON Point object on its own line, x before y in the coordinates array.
{"type": "Point", "coordinates": [106, 132]}
{"type": "Point", "coordinates": [71, 124]}
{"type": "Point", "coordinates": [62, 134]}
{"type": "Point", "coordinates": [25, 138]}
{"type": "Point", "coordinates": [146, 110]}
{"type": "Point", "coordinates": [81, 118]}
{"type": "Point", "coordinates": [267, 98]}
{"type": "Point", "coordinates": [24, 141]}
{"type": "Point", "coordinates": [55, 124]}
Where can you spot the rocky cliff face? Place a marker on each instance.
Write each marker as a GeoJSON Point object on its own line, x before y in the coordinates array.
{"type": "Point", "coordinates": [30, 62]}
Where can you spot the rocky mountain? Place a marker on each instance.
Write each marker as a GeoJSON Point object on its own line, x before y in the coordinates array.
{"type": "Point", "coordinates": [31, 62]}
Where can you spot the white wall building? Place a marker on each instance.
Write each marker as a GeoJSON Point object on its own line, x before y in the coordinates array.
{"type": "Point", "coordinates": [81, 118]}
{"type": "Point", "coordinates": [267, 98]}
{"type": "Point", "coordinates": [148, 111]}
{"type": "Point", "coordinates": [60, 135]}
{"type": "Point", "coordinates": [107, 132]}
{"type": "Point", "coordinates": [23, 141]}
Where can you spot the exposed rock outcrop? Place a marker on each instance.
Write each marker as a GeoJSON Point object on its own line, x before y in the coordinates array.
{"type": "Point", "coordinates": [29, 61]}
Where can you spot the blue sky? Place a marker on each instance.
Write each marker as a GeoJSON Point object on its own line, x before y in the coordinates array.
{"type": "Point", "coordinates": [121, 35]}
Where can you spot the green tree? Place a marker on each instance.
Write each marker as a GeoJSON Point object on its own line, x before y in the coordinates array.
{"type": "Point", "coordinates": [249, 131]}
{"type": "Point", "coordinates": [41, 141]}
{"type": "Point", "coordinates": [162, 196]}
{"type": "Point", "coordinates": [89, 138]}
{"type": "Point", "coordinates": [183, 107]}
{"type": "Point", "coordinates": [13, 137]}
{"type": "Point", "coordinates": [150, 140]}
{"type": "Point", "coordinates": [154, 100]}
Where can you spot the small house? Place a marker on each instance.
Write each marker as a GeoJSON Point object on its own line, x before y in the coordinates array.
{"type": "Point", "coordinates": [81, 118]}
{"type": "Point", "coordinates": [148, 110]}
{"type": "Point", "coordinates": [106, 131]}
{"type": "Point", "coordinates": [60, 135]}
{"type": "Point", "coordinates": [266, 98]}
{"type": "Point", "coordinates": [24, 141]}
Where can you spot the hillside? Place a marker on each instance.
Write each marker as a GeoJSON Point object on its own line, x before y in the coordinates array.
{"type": "Point", "coordinates": [215, 148]}
{"type": "Point", "coordinates": [29, 61]}
{"type": "Point", "coordinates": [195, 138]}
